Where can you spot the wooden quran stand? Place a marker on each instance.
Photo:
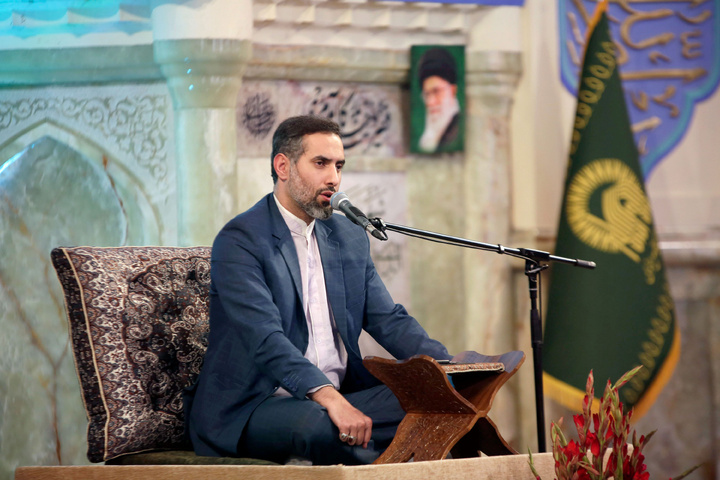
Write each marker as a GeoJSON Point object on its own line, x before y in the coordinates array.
{"type": "Point", "coordinates": [442, 419]}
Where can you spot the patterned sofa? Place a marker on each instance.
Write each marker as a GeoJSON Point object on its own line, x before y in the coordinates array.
{"type": "Point", "coordinates": [138, 321]}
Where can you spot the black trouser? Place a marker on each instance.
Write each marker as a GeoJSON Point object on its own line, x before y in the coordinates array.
{"type": "Point", "coordinates": [283, 427]}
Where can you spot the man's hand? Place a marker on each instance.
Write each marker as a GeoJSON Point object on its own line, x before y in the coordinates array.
{"type": "Point", "coordinates": [349, 420]}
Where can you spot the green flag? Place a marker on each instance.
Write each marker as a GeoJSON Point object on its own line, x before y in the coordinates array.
{"type": "Point", "coordinates": [619, 315]}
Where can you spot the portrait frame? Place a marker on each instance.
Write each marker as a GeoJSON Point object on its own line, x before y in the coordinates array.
{"type": "Point", "coordinates": [448, 132]}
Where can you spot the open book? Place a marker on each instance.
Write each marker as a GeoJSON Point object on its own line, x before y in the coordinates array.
{"type": "Point", "coordinates": [452, 368]}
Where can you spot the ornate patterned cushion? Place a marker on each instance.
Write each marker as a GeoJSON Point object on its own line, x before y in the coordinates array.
{"type": "Point", "coordinates": [138, 323]}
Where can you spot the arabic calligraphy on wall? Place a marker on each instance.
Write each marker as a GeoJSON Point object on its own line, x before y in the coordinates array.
{"type": "Point", "coordinates": [368, 115]}
{"type": "Point", "coordinates": [669, 60]}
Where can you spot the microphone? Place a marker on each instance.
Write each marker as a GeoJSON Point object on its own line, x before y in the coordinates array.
{"type": "Point", "coordinates": [340, 201]}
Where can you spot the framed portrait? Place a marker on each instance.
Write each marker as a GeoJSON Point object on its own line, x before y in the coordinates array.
{"type": "Point", "coordinates": [437, 98]}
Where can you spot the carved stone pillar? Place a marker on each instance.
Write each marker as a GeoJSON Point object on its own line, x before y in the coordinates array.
{"type": "Point", "coordinates": [204, 72]}
{"type": "Point", "coordinates": [491, 79]}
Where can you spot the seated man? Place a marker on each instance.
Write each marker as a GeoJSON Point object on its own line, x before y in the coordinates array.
{"type": "Point", "coordinates": [292, 288]}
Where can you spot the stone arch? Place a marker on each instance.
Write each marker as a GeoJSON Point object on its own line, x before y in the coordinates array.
{"type": "Point", "coordinates": [142, 215]}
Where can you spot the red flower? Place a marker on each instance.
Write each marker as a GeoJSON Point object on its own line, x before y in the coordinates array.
{"type": "Point", "coordinates": [611, 465]}
{"type": "Point", "coordinates": [582, 474]}
{"type": "Point", "coordinates": [593, 444]}
{"type": "Point", "coordinates": [579, 422]}
{"type": "Point", "coordinates": [599, 433]}
{"type": "Point", "coordinates": [572, 450]}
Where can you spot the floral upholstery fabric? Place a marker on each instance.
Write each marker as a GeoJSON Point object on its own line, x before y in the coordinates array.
{"type": "Point", "coordinates": [138, 323]}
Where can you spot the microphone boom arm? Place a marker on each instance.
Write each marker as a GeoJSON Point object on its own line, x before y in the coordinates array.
{"type": "Point", "coordinates": [523, 253]}
{"type": "Point", "coordinates": [533, 267]}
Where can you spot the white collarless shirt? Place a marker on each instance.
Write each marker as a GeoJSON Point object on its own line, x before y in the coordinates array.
{"type": "Point", "coordinates": [325, 347]}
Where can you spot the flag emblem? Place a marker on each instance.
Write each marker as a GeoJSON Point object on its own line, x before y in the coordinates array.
{"type": "Point", "coordinates": [608, 210]}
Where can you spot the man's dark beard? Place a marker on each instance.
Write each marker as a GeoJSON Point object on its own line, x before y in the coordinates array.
{"type": "Point", "coordinates": [315, 210]}
{"type": "Point", "coordinates": [307, 201]}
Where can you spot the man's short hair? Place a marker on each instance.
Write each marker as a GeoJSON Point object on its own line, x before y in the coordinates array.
{"type": "Point", "coordinates": [437, 62]}
{"type": "Point", "coordinates": [288, 137]}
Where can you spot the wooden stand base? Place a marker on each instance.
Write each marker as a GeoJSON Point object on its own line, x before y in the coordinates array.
{"type": "Point", "coordinates": [443, 416]}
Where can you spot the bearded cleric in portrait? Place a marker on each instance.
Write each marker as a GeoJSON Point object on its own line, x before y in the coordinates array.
{"type": "Point", "coordinates": [438, 77]}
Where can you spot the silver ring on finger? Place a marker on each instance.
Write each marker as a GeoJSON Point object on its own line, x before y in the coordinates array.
{"type": "Point", "coordinates": [344, 436]}
{"type": "Point", "coordinates": [351, 438]}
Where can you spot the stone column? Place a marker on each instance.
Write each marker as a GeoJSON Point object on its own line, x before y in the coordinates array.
{"type": "Point", "coordinates": [204, 71]}
{"type": "Point", "coordinates": [491, 79]}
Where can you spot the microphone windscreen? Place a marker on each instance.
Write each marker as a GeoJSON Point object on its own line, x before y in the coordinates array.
{"type": "Point", "coordinates": [336, 198]}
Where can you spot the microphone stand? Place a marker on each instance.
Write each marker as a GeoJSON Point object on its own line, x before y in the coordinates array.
{"type": "Point", "coordinates": [533, 267]}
